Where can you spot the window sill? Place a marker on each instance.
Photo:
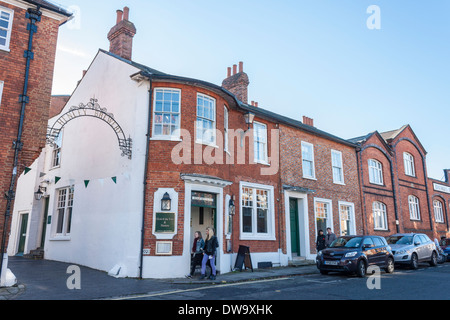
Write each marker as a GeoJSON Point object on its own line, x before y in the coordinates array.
{"type": "Point", "coordinates": [5, 49]}
{"type": "Point", "coordinates": [377, 184]}
{"type": "Point", "coordinates": [310, 178]}
{"type": "Point", "coordinates": [244, 236]}
{"type": "Point", "coordinates": [213, 145]}
{"type": "Point", "coordinates": [262, 162]}
{"type": "Point", "coordinates": [166, 138]}
{"type": "Point", "coordinates": [339, 183]}
{"type": "Point", "coordinates": [60, 238]}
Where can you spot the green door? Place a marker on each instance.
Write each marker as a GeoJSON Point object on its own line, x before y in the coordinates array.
{"type": "Point", "coordinates": [295, 237]}
{"type": "Point", "coordinates": [23, 233]}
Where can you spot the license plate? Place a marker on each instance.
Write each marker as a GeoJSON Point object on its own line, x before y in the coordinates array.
{"type": "Point", "coordinates": [332, 263]}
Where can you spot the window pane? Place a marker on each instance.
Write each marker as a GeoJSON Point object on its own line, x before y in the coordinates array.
{"type": "Point", "coordinates": [247, 219]}
{"type": "Point", "coordinates": [262, 221]}
{"type": "Point", "coordinates": [60, 223]}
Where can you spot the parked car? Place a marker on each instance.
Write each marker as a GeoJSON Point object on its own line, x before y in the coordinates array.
{"type": "Point", "coordinates": [412, 248]}
{"type": "Point", "coordinates": [445, 246]}
{"type": "Point", "coordinates": [355, 254]}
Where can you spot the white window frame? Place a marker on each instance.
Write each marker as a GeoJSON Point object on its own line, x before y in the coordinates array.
{"type": "Point", "coordinates": [64, 201]}
{"type": "Point", "coordinates": [408, 162]}
{"type": "Point", "coordinates": [351, 216]}
{"type": "Point", "coordinates": [260, 140]}
{"type": "Point", "coordinates": [329, 213]}
{"type": "Point", "coordinates": [56, 153]}
{"type": "Point", "coordinates": [254, 235]}
{"type": "Point", "coordinates": [8, 30]}
{"type": "Point", "coordinates": [337, 167]}
{"type": "Point", "coordinates": [225, 129]}
{"type": "Point", "coordinates": [375, 172]}
{"type": "Point", "coordinates": [306, 174]}
{"type": "Point", "coordinates": [379, 208]}
{"type": "Point", "coordinates": [172, 136]}
{"type": "Point", "coordinates": [438, 211]}
{"type": "Point", "coordinates": [213, 120]}
{"type": "Point", "coordinates": [414, 208]}
{"type": "Point", "coordinates": [1, 91]}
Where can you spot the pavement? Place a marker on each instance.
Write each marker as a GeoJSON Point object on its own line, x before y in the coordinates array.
{"type": "Point", "coordinates": [48, 280]}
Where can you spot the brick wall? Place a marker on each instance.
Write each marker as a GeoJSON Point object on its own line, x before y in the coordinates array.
{"type": "Point", "coordinates": [39, 91]}
{"type": "Point", "coordinates": [323, 185]}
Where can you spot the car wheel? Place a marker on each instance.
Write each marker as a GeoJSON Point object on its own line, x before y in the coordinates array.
{"type": "Point", "coordinates": [361, 269]}
{"type": "Point", "coordinates": [414, 262]}
{"type": "Point", "coordinates": [433, 261]}
{"type": "Point", "coordinates": [390, 265]}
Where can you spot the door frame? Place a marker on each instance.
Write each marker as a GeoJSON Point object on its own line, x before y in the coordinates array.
{"type": "Point", "coordinates": [303, 220]}
{"type": "Point", "coordinates": [20, 224]}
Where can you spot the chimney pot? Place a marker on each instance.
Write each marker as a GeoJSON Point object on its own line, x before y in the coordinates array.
{"type": "Point", "coordinates": [256, 104]}
{"type": "Point", "coordinates": [126, 13]}
{"type": "Point", "coordinates": [241, 67]}
{"type": "Point", "coordinates": [228, 72]}
{"type": "Point", "coordinates": [119, 16]}
{"type": "Point", "coordinates": [234, 69]}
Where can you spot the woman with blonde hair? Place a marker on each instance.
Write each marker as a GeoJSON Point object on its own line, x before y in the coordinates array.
{"type": "Point", "coordinates": [211, 245]}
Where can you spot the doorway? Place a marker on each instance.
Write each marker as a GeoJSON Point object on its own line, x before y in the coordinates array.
{"type": "Point", "coordinates": [294, 224]}
{"type": "Point", "coordinates": [22, 233]}
{"type": "Point", "coordinates": [203, 213]}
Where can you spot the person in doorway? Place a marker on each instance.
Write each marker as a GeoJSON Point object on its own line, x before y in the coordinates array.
{"type": "Point", "coordinates": [196, 252]}
{"type": "Point", "coordinates": [320, 242]}
{"type": "Point", "coordinates": [211, 245]}
{"type": "Point", "coordinates": [330, 237]}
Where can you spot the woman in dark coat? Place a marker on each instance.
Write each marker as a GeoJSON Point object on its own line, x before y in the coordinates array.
{"type": "Point", "coordinates": [320, 242]}
{"type": "Point", "coordinates": [211, 244]}
{"type": "Point", "coordinates": [196, 252]}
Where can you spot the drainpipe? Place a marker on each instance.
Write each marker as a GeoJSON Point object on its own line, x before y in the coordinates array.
{"type": "Point", "coordinates": [147, 141]}
{"type": "Point", "coordinates": [35, 16]}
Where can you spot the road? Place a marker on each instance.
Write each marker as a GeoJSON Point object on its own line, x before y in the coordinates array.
{"type": "Point", "coordinates": [422, 284]}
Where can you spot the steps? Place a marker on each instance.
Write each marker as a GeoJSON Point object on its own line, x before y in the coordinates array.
{"type": "Point", "coordinates": [36, 254]}
{"type": "Point", "coordinates": [300, 261]}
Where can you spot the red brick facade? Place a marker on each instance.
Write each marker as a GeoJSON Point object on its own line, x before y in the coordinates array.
{"type": "Point", "coordinates": [408, 194]}
{"type": "Point", "coordinates": [39, 91]}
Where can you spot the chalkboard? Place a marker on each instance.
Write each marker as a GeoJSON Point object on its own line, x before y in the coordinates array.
{"type": "Point", "coordinates": [243, 259]}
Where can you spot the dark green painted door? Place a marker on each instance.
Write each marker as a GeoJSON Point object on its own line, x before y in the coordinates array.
{"type": "Point", "coordinates": [23, 233]}
{"type": "Point", "coordinates": [295, 237]}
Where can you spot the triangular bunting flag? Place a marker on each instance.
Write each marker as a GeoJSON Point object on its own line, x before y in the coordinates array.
{"type": "Point", "coordinates": [27, 170]}
{"type": "Point", "coordinates": [41, 174]}
{"type": "Point", "coordinates": [57, 179]}
{"type": "Point", "coordinates": [114, 179]}
{"type": "Point", "coordinates": [86, 182]}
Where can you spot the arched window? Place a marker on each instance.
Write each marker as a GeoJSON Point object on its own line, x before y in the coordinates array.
{"type": "Point", "coordinates": [414, 210]}
{"type": "Point", "coordinates": [408, 161]}
{"type": "Point", "coordinates": [379, 216]}
{"type": "Point", "coordinates": [375, 172]}
{"type": "Point", "coordinates": [438, 211]}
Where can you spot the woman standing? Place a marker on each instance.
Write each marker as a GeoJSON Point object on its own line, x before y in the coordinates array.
{"type": "Point", "coordinates": [196, 252]}
{"type": "Point", "coordinates": [211, 245]}
{"type": "Point", "coordinates": [320, 242]}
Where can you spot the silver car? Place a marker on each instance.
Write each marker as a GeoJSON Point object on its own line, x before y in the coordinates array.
{"type": "Point", "coordinates": [412, 248]}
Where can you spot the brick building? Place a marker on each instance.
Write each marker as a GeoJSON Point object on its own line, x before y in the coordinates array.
{"type": "Point", "coordinates": [140, 160]}
{"type": "Point", "coordinates": [397, 194]}
{"type": "Point", "coordinates": [28, 35]}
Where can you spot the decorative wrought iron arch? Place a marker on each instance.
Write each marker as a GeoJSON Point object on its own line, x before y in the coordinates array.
{"type": "Point", "coordinates": [91, 109]}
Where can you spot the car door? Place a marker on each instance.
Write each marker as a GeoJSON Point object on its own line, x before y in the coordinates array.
{"type": "Point", "coordinates": [380, 251]}
{"type": "Point", "coordinates": [427, 245]}
{"type": "Point", "coordinates": [369, 250]}
{"type": "Point", "coordinates": [418, 247]}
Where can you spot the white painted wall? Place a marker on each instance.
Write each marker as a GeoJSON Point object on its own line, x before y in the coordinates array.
{"type": "Point", "coordinates": [107, 217]}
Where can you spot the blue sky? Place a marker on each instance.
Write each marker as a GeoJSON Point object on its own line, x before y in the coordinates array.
{"type": "Point", "coordinates": [316, 58]}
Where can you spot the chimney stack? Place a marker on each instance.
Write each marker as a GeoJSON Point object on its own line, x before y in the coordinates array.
{"type": "Point", "coordinates": [237, 83]}
{"type": "Point", "coordinates": [121, 35]}
{"type": "Point", "coordinates": [308, 121]}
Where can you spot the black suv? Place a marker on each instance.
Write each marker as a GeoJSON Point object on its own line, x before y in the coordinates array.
{"type": "Point", "coordinates": [354, 254]}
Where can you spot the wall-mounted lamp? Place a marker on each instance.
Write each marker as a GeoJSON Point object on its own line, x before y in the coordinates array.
{"type": "Point", "coordinates": [40, 193]}
{"type": "Point", "coordinates": [166, 202]}
{"type": "Point", "coordinates": [249, 117]}
{"type": "Point", "coordinates": [231, 206]}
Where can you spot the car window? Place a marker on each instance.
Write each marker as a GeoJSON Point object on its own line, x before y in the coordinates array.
{"type": "Point", "coordinates": [400, 240]}
{"type": "Point", "coordinates": [346, 242]}
{"type": "Point", "coordinates": [417, 240]}
{"type": "Point", "coordinates": [368, 241]}
{"type": "Point", "coordinates": [424, 239]}
{"type": "Point", "coordinates": [378, 242]}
